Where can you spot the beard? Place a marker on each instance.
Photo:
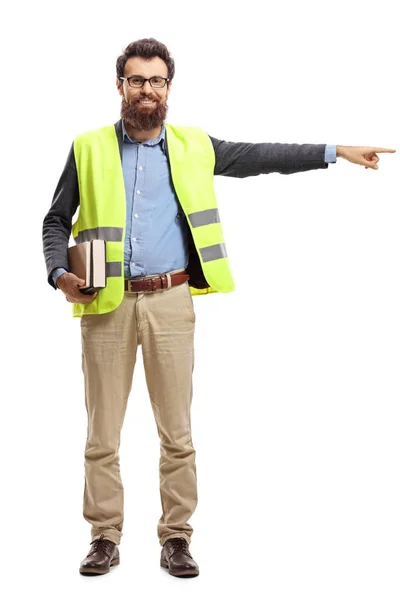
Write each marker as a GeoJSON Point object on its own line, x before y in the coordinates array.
{"type": "Point", "coordinates": [142, 117]}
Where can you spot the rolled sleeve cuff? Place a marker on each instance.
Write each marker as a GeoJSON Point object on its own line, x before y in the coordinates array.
{"type": "Point", "coordinates": [56, 274]}
{"type": "Point", "coordinates": [330, 153]}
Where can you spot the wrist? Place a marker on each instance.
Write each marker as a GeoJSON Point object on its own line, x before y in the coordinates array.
{"type": "Point", "coordinates": [61, 278]}
{"type": "Point", "coordinates": [339, 151]}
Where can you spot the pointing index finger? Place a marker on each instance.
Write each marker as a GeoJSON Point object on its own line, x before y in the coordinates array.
{"type": "Point", "coordinates": [382, 150]}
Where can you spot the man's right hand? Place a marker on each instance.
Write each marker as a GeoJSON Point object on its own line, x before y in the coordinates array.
{"type": "Point", "coordinates": [70, 284]}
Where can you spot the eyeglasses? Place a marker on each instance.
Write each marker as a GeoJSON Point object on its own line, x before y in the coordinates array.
{"type": "Point", "coordinates": [135, 81]}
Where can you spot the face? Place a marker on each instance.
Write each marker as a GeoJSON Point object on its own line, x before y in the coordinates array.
{"type": "Point", "coordinates": [144, 116]}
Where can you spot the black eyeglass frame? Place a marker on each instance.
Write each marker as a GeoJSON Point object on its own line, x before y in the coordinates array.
{"type": "Point", "coordinates": [137, 87]}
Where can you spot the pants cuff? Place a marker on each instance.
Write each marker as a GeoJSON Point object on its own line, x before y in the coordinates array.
{"type": "Point", "coordinates": [110, 535]}
{"type": "Point", "coordinates": [174, 535]}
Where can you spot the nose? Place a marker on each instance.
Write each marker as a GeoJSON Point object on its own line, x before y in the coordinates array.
{"type": "Point", "coordinates": [147, 87]}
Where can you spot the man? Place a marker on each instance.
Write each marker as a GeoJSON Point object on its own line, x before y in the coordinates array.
{"type": "Point", "coordinates": [146, 187]}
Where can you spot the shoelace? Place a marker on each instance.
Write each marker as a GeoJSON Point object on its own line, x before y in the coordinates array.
{"type": "Point", "coordinates": [180, 545]}
{"type": "Point", "coordinates": [101, 543]}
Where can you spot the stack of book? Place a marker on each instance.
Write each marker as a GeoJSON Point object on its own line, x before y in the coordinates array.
{"type": "Point", "coordinates": [87, 260]}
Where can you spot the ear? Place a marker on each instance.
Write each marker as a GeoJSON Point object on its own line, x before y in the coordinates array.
{"type": "Point", "coordinates": [120, 87]}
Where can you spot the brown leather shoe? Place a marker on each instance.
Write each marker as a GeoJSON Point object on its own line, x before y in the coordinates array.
{"type": "Point", "coordinates": [175, 557]}
{"type": "Point", "coordinates": [102, 556]}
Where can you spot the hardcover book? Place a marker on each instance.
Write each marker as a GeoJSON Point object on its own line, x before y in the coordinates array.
{"type": "Point", "coordinates": [87, 260]}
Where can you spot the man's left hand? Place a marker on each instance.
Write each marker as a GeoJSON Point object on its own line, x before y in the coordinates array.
{"type": "Point", "coordinates": [361, 155]}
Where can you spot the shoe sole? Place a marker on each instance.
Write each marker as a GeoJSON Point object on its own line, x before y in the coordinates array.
{"type": "Point", "coordinates": [97, 571]}
{"type": "Point", "coordinates": [184, 573]}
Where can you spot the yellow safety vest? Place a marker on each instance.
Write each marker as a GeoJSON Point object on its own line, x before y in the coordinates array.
{"type": "Point", "coordinates": [102, 211]}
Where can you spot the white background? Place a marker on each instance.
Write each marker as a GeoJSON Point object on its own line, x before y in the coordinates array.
{"type": "Point", "coordinates": [295, 411]}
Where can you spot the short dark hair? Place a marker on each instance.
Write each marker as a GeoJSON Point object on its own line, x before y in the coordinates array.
{"type": "Point", "coordinates": [146, 48]}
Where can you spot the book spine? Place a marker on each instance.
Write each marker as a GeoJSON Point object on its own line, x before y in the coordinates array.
{"type": "Point", "coordinates": [91, 264]}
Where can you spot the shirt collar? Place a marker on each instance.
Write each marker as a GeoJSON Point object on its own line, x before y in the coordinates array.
{"type": "Point", "coordinates": [158, 140]}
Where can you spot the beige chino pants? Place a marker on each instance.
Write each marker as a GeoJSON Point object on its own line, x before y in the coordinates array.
{"type": "Point", "coordinates": [163, 322]}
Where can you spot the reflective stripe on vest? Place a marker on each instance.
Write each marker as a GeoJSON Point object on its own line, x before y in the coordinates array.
{"type": "Point", "coordinates": [113, 269]}
{"type": "Point", "coordinates": [204, 217]}
{"type": "Point", "coordinates": [112, 234]}
{"type": "Point", "coordinates": [213, 252]}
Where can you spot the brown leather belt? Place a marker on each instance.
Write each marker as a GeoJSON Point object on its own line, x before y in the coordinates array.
{"type": "Point", "coordinates": [157, 282]}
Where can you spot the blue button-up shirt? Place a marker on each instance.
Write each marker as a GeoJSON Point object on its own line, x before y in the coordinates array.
{"type": "Point", "coordinates": [156, 238]}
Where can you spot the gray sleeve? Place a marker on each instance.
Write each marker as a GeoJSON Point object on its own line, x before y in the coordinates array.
{"type": "Point", "coordinates": [243, 159]}
{"type": "Point", "coordinates": [57, 223]}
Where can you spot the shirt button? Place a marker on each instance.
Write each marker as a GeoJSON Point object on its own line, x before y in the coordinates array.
{"type": "Point", "coordinates": [140, 168]}
{"type": "Point", "coordinates": [134, 239]}
{"type": "Point", "coordinates": [136, 216]}
{"type": "Point", "coordinates": [138, 192]}
{"type": "Point", "coordinates": [132, 264]}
